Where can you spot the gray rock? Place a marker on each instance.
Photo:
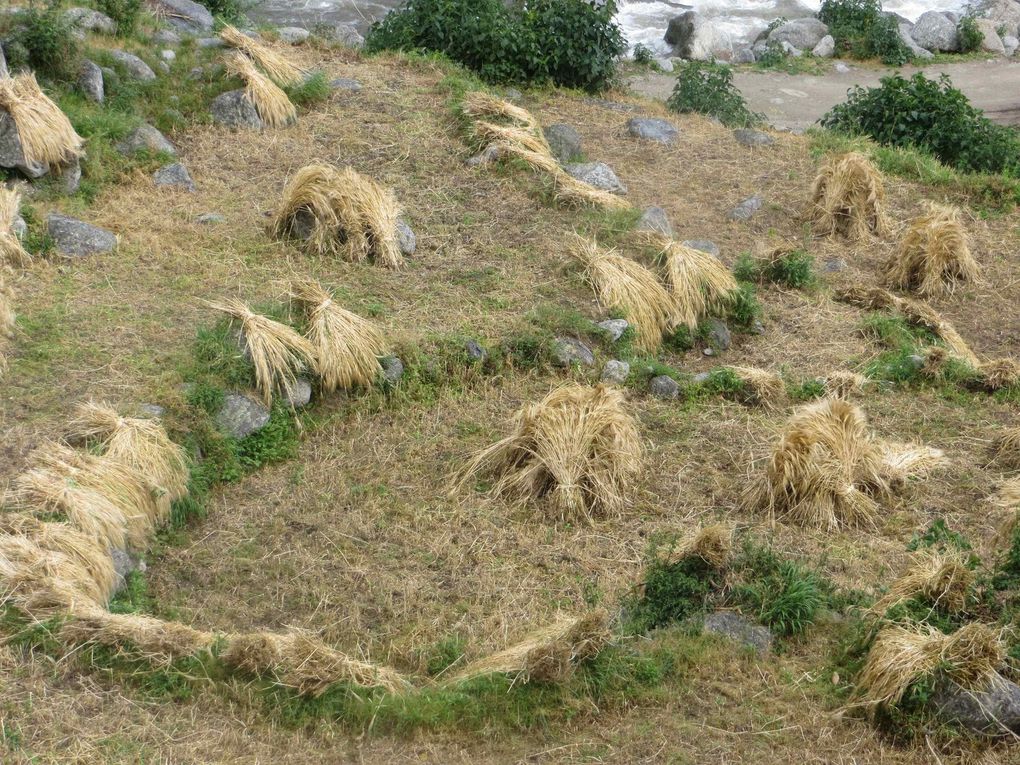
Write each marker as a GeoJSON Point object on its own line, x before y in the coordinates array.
{"type": "Point", "coordinates": [163, 66]}
{"type": "Point", "coordinates": [185, 15]}
{"type": "Point", "coordinates": [757, 328]}
{"type": "Point", "coordinates": [175, 176]}
{"type": "Point", "coordinates": [935, 32]}
{"type": "Point", "coordinates": [76, 238]}
{"type": "Point", "coordinates": [124, 563]}
{"type": "Point", "coordinates": [292, 35]}
{"type": "Point", "coordinates": [513, 94]}
{"type": "Point", "coordinates": [615, 372]}
{"type": "Point", "coordinates": [240, 416]}
{"type": "Point", "coordinates": [564, 141]}
{"type": "Point", "coordinates": [343, 83]}
{"type": "Point", "coordinates": [740, 629]}
{"type": "Point", "coordinates": [655, 219]}
{"type": "Point", "coordinates": [990, 40]}
{"type": "Point", "coordinates": [834, 265]}
{"type": "Point", "coordinates": [345, 35]}
{"type": "Point", "coordinates": [842, 68]}
{"type": "Point", "coordinates": [701, 378]}
{"type": "Point", "coordinates": [233, 109]}
{"type": "Point", "coordinates": [166, 37]}
{"type": "Point", "coordinates": [210, 42]}
{"type": "Point", "coordinates": [708, 351]}
{"type": "Point", "coordinates": [746, 209]}
{"type": "Point", "coordinates": [475, 351]}
{"type": "Point", "coordinates": [664, 386]}
{"type": "Point", "coordinates": [614, 327]}
{"type": "Point", "coordinates": [744, 54]}
{"type": "Point", "coordinates": [134, 66]}
{"type": "Point", "coordinates": [916, 360]}
{"type": "Point", "coordinates": [789, 50]}
{"type": "Point", "coordinates": [568, 351]}
{"type": "Point", "coordinates": [196, 72]}
{"type": "Point", "coordinates": [597, 174]}
{"type": "Point", "coordinates": [167, 55]}
{"type": "Point", "coordinates": [694, 36]}
{"type": "Point", "coordinates": [300, 395]}
{"type": "Point", "coordinates": [826, 47]}
{"type": "Point", "coordinates": [405, 236]}
{"type": "Point", "coordinates": [705, 245]}
{"type": "Point", "coordinates": [486, 156]}
{"type": "Point", "coordinates": [146, 137]}
{"type": "Point", "coordinates": [1002, 13]}
{"type": "Point", "coordinates": [90, 81]}
{"type": "Point", "coordinates": [994, 710]}
{"type": "Point", "coordinates": [801, 34]}
{"type": "Point", "coordinates": [152, 410]}
{"type": "Point", "coordinates": [209, 218]}
{"type": "Point", "coordinates": [89, 20]}
{"type": "Point", "coordinates": [719, 336]}
{"type": "Point", "coordinates": [749, 137]}
{"type": "Point", "coordinates": [70, 177]}
{"type": "Point", "coordinates": [392, 369]}
{"type": "Point", "coordinates": [11, 153]}
{"type": "Point", "coordinates": [19, 227]}
{"type": "Point", "coordinates": [653, 129]}
{"type": "Point", "coordinates": [915, 50]}
{"type": "Point", "coordinates": [613, 106]}
{"type": "Point", "coordinates": [1010, 45]}
{"type": "Point", "coordinates": [4, 71]}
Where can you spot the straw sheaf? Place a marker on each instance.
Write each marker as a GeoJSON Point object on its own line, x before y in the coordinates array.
{"type": "Point", "coordinates": [997, 374]}
{"type": "Point", "coordinates": [933, 256]}
{"type": "Point", "coordinates": [578, 449]}
{"type": "Point", "coordinates": [159, 641]}
{"type": "Point", "coordinates": [23, 562]}
{"type": "Point", "coordinates": [848, 198]}
{"type": "Point", "coordinates": [8, 317]}
{"type": "Point", "coordinates": [1006, 448]}
{"type": "Point", "coordinates": [623, 284]}
{"type": "Point", "coordinates": [270, 101]}
{"type": "Point", "coordinates": [699, 282]}
{"type": "Point", "coordinates": [550, 653]}
{"type": "Point", "coordinates": [844, 384]}
{"type": "Point", "coordinates": [713, 544]}
{"type": "Point", "coordinates": [12, 252]}
{"type": "Point", "coordinates": [941, 579]}
{"type": "Point", "coordinates": [346, 347]}
{"type": "Point", "coordinates": [903, 461]}
{"type": "Point", "coordinates": [272, 63]}
{"type": "Point", "coordinates": [349, 215]}
{"type": "Point", "coordinates": [47, 136]}
{"type": "Point", "coordinates": [278, 352]}
{"type": "Point", "coordinates": [302, 662]}
{"type": "Point", "coordinates": [761, 387]}
{"type": "Point", "coordinates": [1008, 495]}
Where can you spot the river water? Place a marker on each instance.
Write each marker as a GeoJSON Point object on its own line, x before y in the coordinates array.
{"type": "Point", "coordinates": [643, 21]}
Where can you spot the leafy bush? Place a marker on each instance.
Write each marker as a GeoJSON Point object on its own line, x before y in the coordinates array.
{"type": "Point", "coordinates": [572, 43]}
{"type": "Point", "coordinates": [860, 29]}
{"type": "Point", "coordinates": [643, 55]}
{"type": "Point", "coordinates": [794, 269]}
{"type": "Point", "coordinates": [745, 308]}
{"type": "Point", "coordinates": [674, 592]}
{"type": "Point", "coordinates": [46, 39]}
{"type": "Point", "coordinates": [229, 11]}
{"type": "Point", "coordinates": [706, 87]}
{"type": "Point", "coordinates": [124, 12]}
{"type": "Point", "coordinates": [930, 115]}
{"type": "Point", "coordinates": [970, 36]}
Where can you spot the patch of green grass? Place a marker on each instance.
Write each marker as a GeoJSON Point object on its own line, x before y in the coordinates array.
{"type": "Point", "coordinates": [745, 309]}
{"type": "Point", "coordinates": [444, 654]}
{"type": "Point", "coordinates": [275, 442]}
{"type": "Point", "coordinates": [133, 597]}
{"type": "Point", "coordinates": [805, 390]}
{"type": "Point", "coordinates": [783, 594]}
{"type": "Point", "coordinates": [313, 89]}
{"type": "Point", "coordinates": [794, 269]}
{"type": "Point", "coordinates": [672, 592]}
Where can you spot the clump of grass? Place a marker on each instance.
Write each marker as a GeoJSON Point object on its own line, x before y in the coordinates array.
{"type": "Point", "coordinates": [787, 598]}
{"type": "Point", "coordinates": [791, 267]}
{"type": "Point", "coordinates": [848, 198]}
{"type": "Point", "coordinates": [313, 89]}
{"type": "Point", "coordinates": [933, 256]}
{"type": "Point", "coordinates": [745, 309]}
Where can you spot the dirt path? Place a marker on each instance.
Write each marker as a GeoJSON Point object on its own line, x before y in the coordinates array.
{"type": "Point", "coordinates": [797, 101]}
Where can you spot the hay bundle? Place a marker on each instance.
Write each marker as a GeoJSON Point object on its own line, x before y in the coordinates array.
{"type": "Point", "coordinates": [12, 252]}
{"type": "Point", "coordinates": [578, 449]}
{"type": "Point", "coordinates": [904, 461]}
{"type": "Point", "coordinates": [8, 318]}
{"type": "Point", "coordinates": [26, 564]}
{"type": "Point", "coordinates": [1008, 495]}
{"type": "Point", "coordinates": [623, 284]}
{"type": "Point", "coordinates": [298, 660]}
{"type": "Point", "coordinates": [47, 136]}
{"type": "Point", "coordinates": [844, 384]}
{"type": "Point", "coordinates": [549, 654]}
{"type": "Point", "coordinates": [941, 579]}
{"type": "Point", "coordinates": [713, 544]}
{"type": "Point", "coordinates": [346, 347]}
{"type": "Point", "coordinates": [900, 656]}
{"type": "Point", "coordinates": [157, 640]}
{"type": "Point", "coordinates": [270, 102]}
{"type": "Point", "coordinates": [278, 353]}
{"type": "Point", "coordinates": [999, 373]}
{"type": "Point", "coordinates": [340, 213]}
{"type": "Point", "coordinates": [1006, 448]}
{"type": "Point", "coordinates": [274, 64]}
{"type": "Point", "coordinates": [848, 198]}
{"type": "Point", "coordinates": [933, 255]}
{"type": "Point", "coordinates": [38, 594]}
{"type": "Point", "coordinates": [136, 442]}
{"type": "Point", "coordinates": [761, 387]}
{"type": "Point", "coordinates": [699, 281]}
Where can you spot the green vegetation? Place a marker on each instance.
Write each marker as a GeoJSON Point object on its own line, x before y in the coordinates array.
{"type": "Point", "coordinates": [312, 90]}
{"type": "Point", "coordinates": [792, 269]}
{"type": "Point", "coordinates": [861, 30]}
{"type": "Point", "coordinates": [42, 38]}
{"type": "Point", "coordinates": [969, 34]}
{"type": "Point", "coordinates": [571, 43]}
{"type": "Point", "coordinates": [125, 12]}
{"type": "Point", "coordinates": [228, 11]}
{"type": "Point", "coordinates": [706, 87]}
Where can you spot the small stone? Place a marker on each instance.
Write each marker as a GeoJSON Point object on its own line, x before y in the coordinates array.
{"type": "Point", "coordinates": [705, 245]}
{"type": "Point", "coordinates": [196, 72]}
{"type": "Point", "coordinates": [655, 219]}
{"type": "Point", "coordinates": [233, 109]}
{"type": "Point", "coordinates": [19, 227]}
{"type": "Point", "coordinates": [90, 81]}
{"type": "Point", "coordinates": [405, 236]}
{"type": "Point", "coordinates": [1010, 45]}
{"type": "Point", "coordinates": [240, 416]}
{"type": "Point", "coordinates": [175, 175]}
{"type": "Point", "coordinates": [749, 137]}
{"type": "Point", "coordinates": [148, 138]}
{"type": "Point", "coordinates": [163, 66]}
{"type": "Point", "coordinates": [664, 386]}
{"type": "Point", "coordinates": [598, 175]}
{"type": "Point", "coordinates": [392, 369]}
{"type": "Point", "coordinates": [475, 351]}
{"type": "Point", "coordinates": [152, 410]}
{"type": "Point", "coordinates": [513, 94]}
{"type": "Point", "coordinates": [488, 155]}
{"type": "Point", "coordinates": [134, 66]}
{"type": "Point", "coordinates": [89, 20]}
{"type": "Point", "coordinates": [210, 42]}
{"type": "Point", "coordinates": [653, 129]}
{"type": "Point", "coordinates": [826, 47]}
{"type": "Point", "coordinates": [70, 177]}
{"type": "Point", "coordinates": [167, 55]}
{"type": "Point", "coordinates": [615, 372]}
{"type": "Point", "coordinates": [834, 265]}
{"type": "Point", "coordinates": [701, 378]}
{"type": "Point", "coordinates": [207, 219]}
{"type": "Point", "coordinates": [789, 49]}
{"type": "Point", "coordinates": [345, 35]}
{"type": "Point", "coordinates": [166, 37]}
{"type": "Point", "coordinates": [300, 394]}
{"type": "Point", "coordinates": [746, 209]}
{"type": "Point", "coordinates": [292, 35]}
{"type": "Point", "coordinates": [719, 336]}
{"type": "Point", "coordinates": [12, 154]}
{"type": "Point", "coordinates": [799, 34]}
{"type": "Point", "coordinates": [564, 141]}
{"type": "Point", "coordinates": [707, 352]}
{"type": "Point", "coordinates": [916, 360]}
{"type": "Point", "coordinates": [568, 351]}
{"type": "Point", "coordinates": [125, 564]}
{"type": "Point", "coordinates": [744, 55]}
{"type": "Point", "coordinates": [739, 629]}
{"type": "Point", "coordinates": [840, 67]}
{"type": "Point", "coordinates": [757, 328]}
{"type": "Point", "coordinates": [76, 238]}
{"type": "Point", "coordinates": [614, 327]}
{"type": "Point", "coordinates": [343, 83]}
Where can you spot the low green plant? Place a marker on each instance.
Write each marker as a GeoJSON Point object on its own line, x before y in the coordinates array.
{"type": "Point", "coordinates": [44, 37]}
{"type": "Point", "coordinates": [276, 441]}
{"type": "Point", "coordinates": [745, 309]}
{"type": "Point", "coordinates": [229, 11]}
{"type": "Point", "coordinates": [793, 269]}
{"type": "Point", "coordinates": [783, 594]}
{"type": "Point", "coordinates": [643, 56]}
{"type": "Point", "coordinates": [861, 30]}
{"type": "Point", "coordinates": [125, 13]}
{"type": "Point", "coordinates": [806, 390]}
{"type": "Point", "coordinates": [312, 90]}
{"type": "Point", "coordinates": [969, 34]}
{"type": "Point", "coordinates": [706, 87]}
{"type": "Point", "coordinates": [673, 592]}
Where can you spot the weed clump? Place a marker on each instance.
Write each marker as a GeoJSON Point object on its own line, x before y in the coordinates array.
{"type": "Point", "coordinates": [706, 87]}
{"type": "Point", "coordinates": [791, 267]}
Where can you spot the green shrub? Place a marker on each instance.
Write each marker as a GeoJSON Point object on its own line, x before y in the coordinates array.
{"type": "Point", "coordinates": [643, 55]}
{"type": "Point", "coordinates": [745, 308]}
{"type": "Point", "coordinates": [793, 269]}
{"type": "Point", "coordinates": [45, 37]}
{"type": "Point", "coordinates": [572, 43]}
{"type": "Point", "coordinates": [124, 12]}
{"type": "Point", "coordinates": [228, 11]}
{"type": "Point", "coordinates": [860, 29]}
{"type": "Point", "coordinates": [706, 87]}
{"type": "Point", "coordinates": [883, 42]}
{"type": "Point", "coordinates": [930, 115]}
{"type": "Point", "coordinates": [970, 36]}
{"type": "Point", "coordinates": [312, 90]}
{"type": "Point", "coordinates": [674, 592]}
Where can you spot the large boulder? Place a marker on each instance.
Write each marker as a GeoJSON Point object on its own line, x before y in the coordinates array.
{"type": "Point", "coordinates": [77, 238]}
{"type": "Point", "coordinates": [993, 710]}
{"type": "Point", "coordinates": [653, 129]}
{"type": "Point", "coordinates": [695, 37]}
{"type": "Point", "coordinates": [12, 154]}
{"type": "Point", "coordinates": [90, 82]}
{"type": "Point", "coordinates": [568, 351]}
{"type": "Point", "coordinates": [990, 40]}
{"type": "Point", "coordinates": [915, 50]}
{"type": "Point", "coordinates": [343, 34]}
{"type": "Point", "coordinates": [134, 66]}
{"type": "Point", "coordinates": [88, 20]}
{"type": "Point", "coordinates": [564, 141]}
{"type": "Point", "coordinates": [1002, 13]}
{"type": "Point", "coordinates": [234, 109]}
{"type": "Point", "coordinates": [826, 47]}
{"type": "Point", "coordinates": [802, 34]}
{"type": "Point", "coordinates": [185, 15]}
{"type": "Point", "coordinates": [1010, 44]}
{"type": "Point", "coordinates": [146, 137]}
{"type": "Point", "coordinates": [934, 32]}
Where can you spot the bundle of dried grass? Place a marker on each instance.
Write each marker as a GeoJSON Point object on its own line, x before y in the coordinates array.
{"type": "Point", "coordinates": [24, 557]}
{"type": "Point", "coordinates": [713, 544]}
{"type": "Point", "coordinates": [158, 641]}
{"type": "Point", "coordinates": [140, 443]}
{"type": "Point", "coordinates": [347, 347]}
{"type": "Point", "coordinates": [550, 653]}
{"type": "Point", "coordinates": [8, 318]}
{"type": "Point", "coordinates": [39, 594]}
{"type": "Point", "coordinates": [278, 353]}
{"type": "Point", "coordinates": [826, 471]}
{"type": "Point", "coordinates": [699, 282]}
{"type": "Point", "coordinates": [625, 285]}
{"type": "Point", "coordinates": [274, 64]}
{"type": "Point", "coordinates": [761, 387]}
{"type": "Point", "coordinates": [941, 579]}
{"type": "Point", "coordinates": [1008, 495]}
{"type": "Point", "coordinates": [12, 252]}
{"type": "Point", "coordinates": [848, 198]}
{"type": "Point", "coordinates": [270, 102]}
{"type": "Point", "coordinates": [903, 461]}
{"type": "Point", "coordinates": [300, 661]}
{"type": "Point", "coordinates": [997, 374]}
{"type": "Point", "coordinates": [1006, 448]}
{"type": "Point", "coordinates": [340, 213]}
{"type": "Point", "coordinates": [933, 256]}
{"type": "Point", "coordinates": [900, 656]}
{"type": "Point", "coordinates": [47, 136]}
{"type": "Point", "coordinates": [478, 105]}
{"type": "Point", "coordinates": [844, 384]}
{"type": "Point", "coordinates": [578, 449]}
